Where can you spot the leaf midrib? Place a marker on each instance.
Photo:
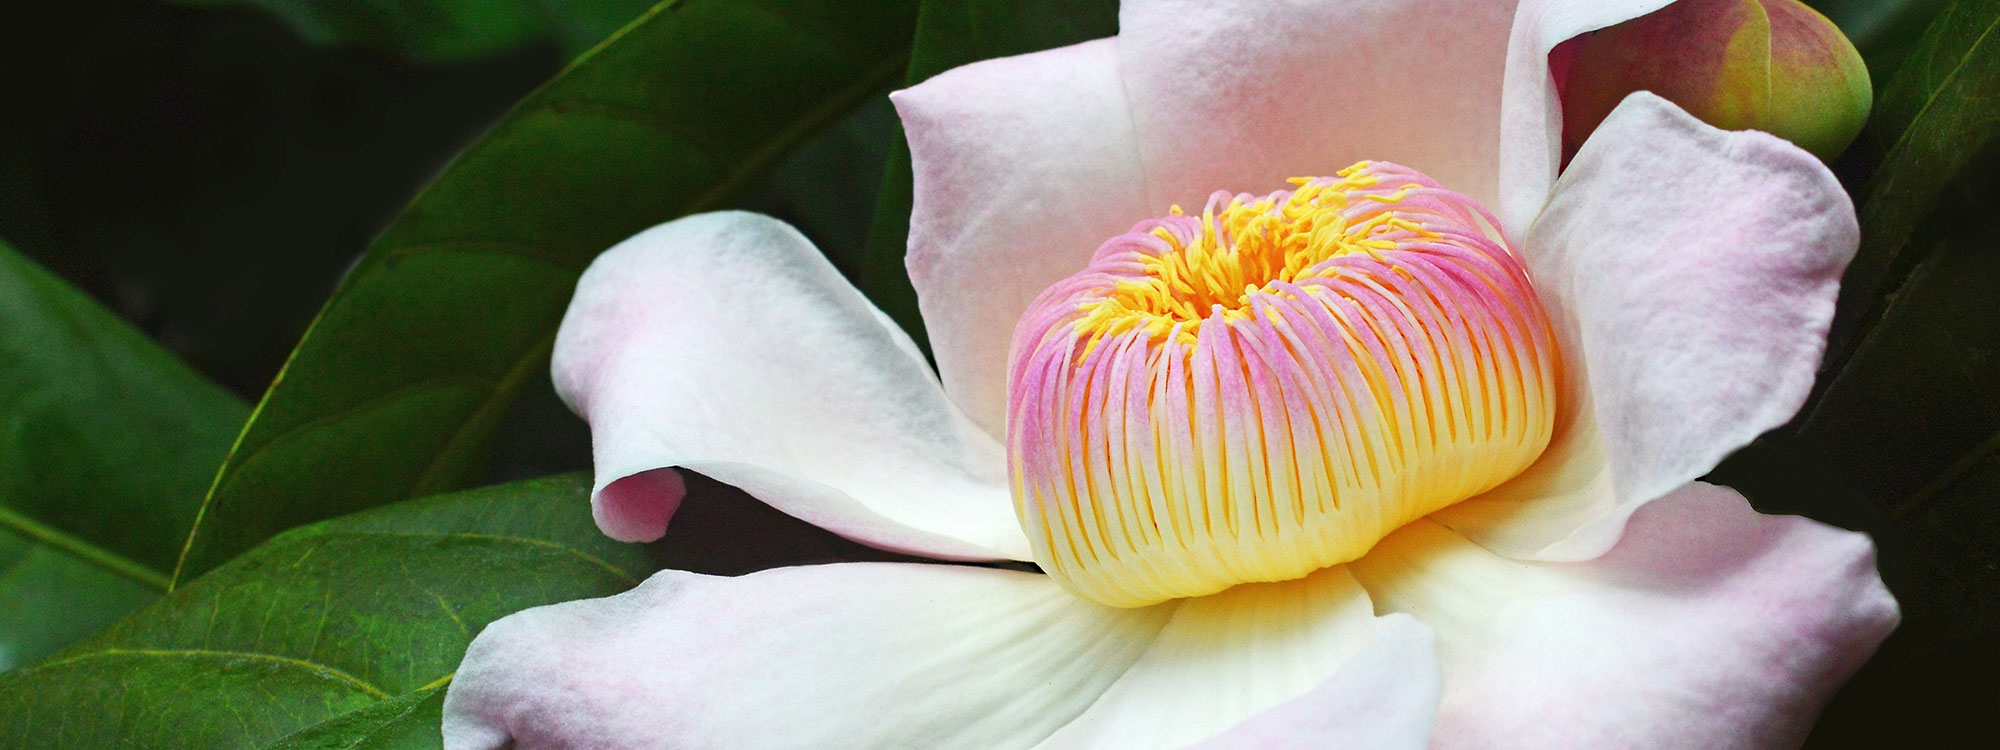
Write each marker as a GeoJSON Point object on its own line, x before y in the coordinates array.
{"type": "Point", "coordinates": [1903, 138]}
{"type": "Point", "coordinates": [79, 549]}
{"type": "Point", "coordinates": [886, 73]}
{"type": "Point", "coordinates": [201, 653]}
{"type": "Point", "coordinates": [621, 573]}
{"type": "Point", "coordinates": [1874, 309]}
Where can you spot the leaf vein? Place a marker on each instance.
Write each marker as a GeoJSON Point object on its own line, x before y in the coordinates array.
{"type": "Point", "coordinates": [319, 669]}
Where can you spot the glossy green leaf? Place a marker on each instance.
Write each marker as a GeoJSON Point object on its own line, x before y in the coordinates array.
{"type": "Point", "coordinates": [321, 623]}
{"type": "Point", "coordinates": [106, 444]}
{"type": "Point", "coordinates": [951, 33]}
{"type": "Point", "coordinates": [397, 386]}
{"type": "Point", "coordinates": [449, 30]}
{"type": "Point", "coordinates": [1938, 117]}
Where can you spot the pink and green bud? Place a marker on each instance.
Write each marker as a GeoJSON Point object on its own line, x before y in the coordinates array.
{"type": "Point", "coordinates": [1771, 65]}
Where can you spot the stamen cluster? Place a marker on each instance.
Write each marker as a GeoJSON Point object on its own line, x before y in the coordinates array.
{"type": "Point", "coordinates": [1273, 386]}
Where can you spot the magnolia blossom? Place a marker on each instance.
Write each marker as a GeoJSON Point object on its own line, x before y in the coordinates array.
{"type": "Point", "coordinates": [1401, 453]}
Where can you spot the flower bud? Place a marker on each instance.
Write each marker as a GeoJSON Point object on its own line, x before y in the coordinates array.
{"type": "Point", "coordinates": [1771, 65]}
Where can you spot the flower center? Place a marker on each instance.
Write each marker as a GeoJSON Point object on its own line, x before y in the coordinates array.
{"type": "Point", "coordinates": [1272, 387]}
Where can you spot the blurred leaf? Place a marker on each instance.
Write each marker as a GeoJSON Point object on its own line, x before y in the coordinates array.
{"type": "Point", "coordinates": [441, 31]}
{"type": "Point", "coordinates": [951, 33]}
{"type": "Point", "coordinates": [1937, 117]}
{"type": "Point", "coordinates": [50, 598]}
{"type": "Point", "coordinates": [1883, 30]}
{"type": "Point", "coordinates": [1914, 420]}
{"type": "Point", "coordinates": [323, 623]}
{"type": "Point", "coordinates": [1911, 425]}
{"type": "Point", "coordinates": [106, 442]}
{"type": "Point", "coordinates": [827, 187]}
{"type": "Point", "coordinates": [1924, 388]}
{"type": "Point", "coordinates": [396, 389]}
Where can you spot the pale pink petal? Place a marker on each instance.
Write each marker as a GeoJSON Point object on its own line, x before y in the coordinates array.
{"type": "Point", "coordinates": [1385, 697]}
{"type": "Point", "coordinates": [851, 655]}
{"type": "Point", "coordinates": [1241, 96]}
{"type": "Point", "coordinates": [1708, 626]}
{"type": "Point", "coordinates": [726, 344]}
{"type": "Point", "coordinates": [1023, 166]}
{"type": "Point", "coordinates": [1530, 113]}
{"type": "Point", "coordinates": [1249, 654]}
{"type": "Point", "coordinates": [1691, 275]}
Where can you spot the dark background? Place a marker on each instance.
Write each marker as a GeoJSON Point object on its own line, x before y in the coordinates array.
{"type": "Point", "coordinates": [209, 175]}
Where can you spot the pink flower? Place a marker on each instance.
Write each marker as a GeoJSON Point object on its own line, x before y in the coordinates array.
{"type": "Point", "coordinates": [1594, 596]}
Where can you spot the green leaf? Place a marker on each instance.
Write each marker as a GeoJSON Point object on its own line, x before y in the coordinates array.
{"type": "Point", "coordinates": [106, 443]}
{"type": "Point", "coordinates": [322, 622]}
{"type": "Point", "coordinates": [50, 598]}
{"type": "Point", "coordinates": [951, 33]}
{"type": "Point", "coordinates": [397, 387]}
{"type": "Point", "coordinates": [1924, 387]}
{"type": "Point", "coordinates": [406, 721]}
{"type": "Point", "coordinates": [441, 31]}
{"type": "Point", "coordinates": [344, 633]}
{"type": "Point", "coordinates": [826, 189]}
{"type": "Point", "coordinates": [1934, 120]}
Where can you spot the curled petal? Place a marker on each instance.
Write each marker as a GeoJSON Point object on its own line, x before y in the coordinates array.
{"type": "Point", "coordinates": [1531, 116]}
{"type": "Point", "coordinates": [1709, 625]}
{"type": "Point", "coordinates": [1691, 272]}
{"type": "Point", "coordinates": [726, 344]}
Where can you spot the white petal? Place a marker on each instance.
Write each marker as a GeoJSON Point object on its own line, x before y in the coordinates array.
{"type": "Point", "coordinates": [1242, 96]}
{"type": "Point", "coordinates": [853, 655]}
{"type": "Point", "coordinates": [1530, 111]}
{"type": "Point", "coordinates": [1249, 652]}
{"type": "Point", "coordinates": [1384, 697]}
{"type": "Point", "coordinates": [1691, 275]}
{"type": "Point", "coordinates": [1023, 166]}
{"type": "Point", "coordinates": [726, 344]}
{"type": "Point", "coordinates": [1707, 626]}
